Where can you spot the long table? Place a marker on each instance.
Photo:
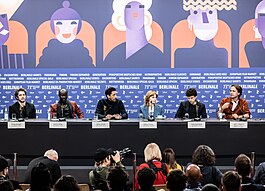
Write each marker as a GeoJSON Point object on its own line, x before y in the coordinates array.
{"type": "Point", "coordinates": [78, 142]}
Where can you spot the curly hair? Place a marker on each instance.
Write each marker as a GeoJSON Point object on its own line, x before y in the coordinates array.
{"type": "Point", "coordinates": [203, 155]}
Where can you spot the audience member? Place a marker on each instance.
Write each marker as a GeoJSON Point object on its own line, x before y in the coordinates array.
{"type": "Point", "coordinates": [191, 108]}
{"type": "Point", "coordinates": [111, 108]}
{"type": "Point", "coordinates": [98, 176]}
{"type": "Point", "coordinates": [176, 180]}
{"type": "Point", "coordinates": [204, 157]}
{"type": "Point", "coordinates": [169, 158]}
{"type": "Point", "coordinates": [243, 167]}
{"type": "Point", "coordinates": [22, 108]}
{"type": "Point", "coordinates": [231, 181]}
{"type": "Point", "coordinates": [64, 108]}
{"type": "Point", "coordinates": [153, 158]}
{"type": "Point", "coordinates": [40, 178]}
{"type": "Point", "coordinates": [66, 183]}
{"type": "Point", "coordinates": [117, 179]}
{"type": "Point", "coordinates": [6, 185]}
{"type": "Point", "coordinates": [234, 107]}
{"type": "Point", "coordinates": [49, 159]}
{"type": "Point", "coordinates": [146, 178]}
{"type": "Point", "coordinates": [259, 176]}
{"type": "Point", "coordinates": [194, 176]}
{"type": "Point", "coordinates": [150, 107]}
{"type": "Point", "coordinates": [210, 187]}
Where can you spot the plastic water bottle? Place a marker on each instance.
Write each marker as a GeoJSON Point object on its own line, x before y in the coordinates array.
{"type": "Point", "coordinates": [220, 115]}
{"type": "Point", "coordinates": [49, 114]}
{"type": "Point", "coordinates": [5, 114]}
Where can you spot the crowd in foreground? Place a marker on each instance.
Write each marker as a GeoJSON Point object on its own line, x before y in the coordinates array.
{"type": "Point", "coordinates": [159, 171]}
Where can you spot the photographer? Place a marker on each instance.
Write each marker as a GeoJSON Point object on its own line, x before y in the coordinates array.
{"type": "Point", "coordinates": [105, 159]}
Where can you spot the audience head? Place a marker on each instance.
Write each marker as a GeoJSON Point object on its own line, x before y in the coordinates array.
{"type": "Point", "coordinates": [231, 181]}
{"type": "Point", "coordinates": [203, 155]}
{"type": "Point", "coordinates": [117, 178]}
{"type": "Point", "coordinates": [168, 156]}
{"type": "Point", "coordinates": [146, 178]}
{"type": "Point", "coordinates": [66, 183]}
{"type": "Point", "coordinates": [210, 187]}
{"type": "Point", "coordinates": [3, 166]}
{"type": "Point", "coordinates": [102, 156]}
{"type": "Point", "coordinates": [150, 97]}
{"type": "Point", "coordinates": [176, 180]}
{"type": "Point", "coordinates": [40, 178]}
{"type": "Point", "coordinates": [151, 152]}
{"type": "Point", "coordinates": [6, 185]}
{"type": "Point", "coordinates": [243, 165]}
{"type": "Point", "coordinates": [51, 154]}
{"type": "Point", "coordinates": [111, 93]}
{"type": "Point", "coordinates": [193, 174]}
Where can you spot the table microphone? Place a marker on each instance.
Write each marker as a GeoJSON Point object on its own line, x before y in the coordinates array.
{"type": "Point", "coordinates": [243, 118]}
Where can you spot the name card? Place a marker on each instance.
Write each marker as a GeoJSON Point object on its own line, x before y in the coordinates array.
{"type": "Point", "coordinates": [238, 124]}
{"type": "Point", "coordinates": [147, 125]}
{"type": "Point", "coordinates": [196, 125]}
{"type": "Point", "coordinates": [16, 125]}
{"type": "Point", "coordinates": [58, 125]}
{"type": "Point", "coordinates": [100, 125]}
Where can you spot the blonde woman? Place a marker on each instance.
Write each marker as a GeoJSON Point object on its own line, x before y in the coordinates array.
{"type": "Point", "coordinates": [150, 106]}
{"type": "Point", "coordinates": [153, 158]}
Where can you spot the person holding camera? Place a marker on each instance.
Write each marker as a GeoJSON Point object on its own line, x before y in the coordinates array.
{"type": "Point", "coordinates": [105, 159]}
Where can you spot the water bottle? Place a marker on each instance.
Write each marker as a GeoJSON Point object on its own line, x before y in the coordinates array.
{"type": "Point", "coordinates": [5, 114]}
{"type": "Point", "coordinates": [49, 114]}
{"type": "Point", "coordinates": [220, 115]}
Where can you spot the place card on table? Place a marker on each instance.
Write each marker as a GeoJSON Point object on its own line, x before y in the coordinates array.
{"type": "Point", "coordinates": [196, 125]}
{"type": "Point", "coordinates": [100, 124]}
{"type": "Point", "coordinates": [16, 125]}
{"type": "Point", "coordinates": [58, 125]}
{"type": "Point", "coordinates": [238, 124]}
{"type": "Point", "coordinates": [147, 125]}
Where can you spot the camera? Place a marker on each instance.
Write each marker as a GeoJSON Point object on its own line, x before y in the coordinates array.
{"type": "Point", "coordinates": [124, 153]}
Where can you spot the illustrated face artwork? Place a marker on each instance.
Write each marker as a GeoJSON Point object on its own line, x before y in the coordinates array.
{"type": "Point", "coordinates": [4, 30]}
{"type": "Point", "coordinates": [261, 24]}
{"type": "Point", "coordinates": [134, 15]}
{"type": "Point", "coordinates": [204, 22]}
{"type": "Point", "coordinates": [66, 30]}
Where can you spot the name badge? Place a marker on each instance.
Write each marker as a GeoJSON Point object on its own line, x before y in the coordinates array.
{"type": "Point", "coordinates": [196, 125]}
{"type": "Point", "coordinates": [238, 124]}
{"type": "Point", "coordinates": [147, 125]}
{"type": "Point", "coordinates": [100, 125]}
{"type": "Point", "coordinates": [16, 125]}
{"type": "Point", "coordinates": [58, 125]}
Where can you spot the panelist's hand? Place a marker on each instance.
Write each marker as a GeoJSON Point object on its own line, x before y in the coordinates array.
{"type": "Point", "coordinates": [109, 116]}
{"type": "Point", "coordinates": [225, 106]}
{"type": "Point", "coordinates": [235, 116]}
{"type": "Point", "coordinates": [117, 116]}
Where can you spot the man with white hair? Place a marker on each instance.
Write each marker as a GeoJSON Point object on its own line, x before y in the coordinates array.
{"type": "Point", "coordinates": [49, 159]}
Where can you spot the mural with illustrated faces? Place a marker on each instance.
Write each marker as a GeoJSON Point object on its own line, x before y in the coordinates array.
{"type": "Point", "coordinates": [4, 29]}
{"type": "Point", "coordinates": [65, 51]}
{"type": "Point", "coordinates": [134, 18]}
{"type": "Point", "coordinates": [204, 23]}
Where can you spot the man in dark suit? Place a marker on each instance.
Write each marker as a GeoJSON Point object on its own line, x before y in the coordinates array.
{"type": "Point", "coordinates": [50, 161]}
{"type": "Point", "coordinates": [191, 108]}
{"type": "Point", "coordinates": [22, 108]}
{"type": "Point", "coordinates": [64, 108]}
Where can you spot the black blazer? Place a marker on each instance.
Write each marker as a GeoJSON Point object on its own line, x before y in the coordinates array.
{"type": "Point", "coordinates": [28, 111]}
{"type": "Point", "coordinates": [186, 107]}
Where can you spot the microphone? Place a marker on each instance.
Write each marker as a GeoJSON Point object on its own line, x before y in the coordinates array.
{"type": "Point", "coordinates": [197, 118]}
{"type": "Point", "coordinates": [242, 110]}
{"type": "Point", "coordinates": [186, 116]}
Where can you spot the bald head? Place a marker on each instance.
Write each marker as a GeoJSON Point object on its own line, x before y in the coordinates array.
{"type": "Point", "coordinates": [51, 154]}
{"type": "Point", "coordinates": [193, 174]}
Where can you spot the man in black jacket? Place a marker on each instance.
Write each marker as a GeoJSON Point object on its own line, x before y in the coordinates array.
{"type": "Point", "coordinates": [50, 161]}
{"type": "Point", "coordinates": [192, 108]}
{"type": "Point", "coordinates": [111, 108]}
{"type": "Point", "coordinates": [22, 108]}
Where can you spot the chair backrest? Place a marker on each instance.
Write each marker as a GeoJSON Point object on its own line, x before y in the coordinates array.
{"type": "Point", "coordinates": [25, 186]}
{"type": "Point", "coordinates": [83, 187]}
{"type": "Point", "coordinates": [161, 187]}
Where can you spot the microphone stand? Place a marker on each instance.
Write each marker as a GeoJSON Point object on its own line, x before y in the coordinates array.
{"type": "Point", "coordinates": [197, 118]}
